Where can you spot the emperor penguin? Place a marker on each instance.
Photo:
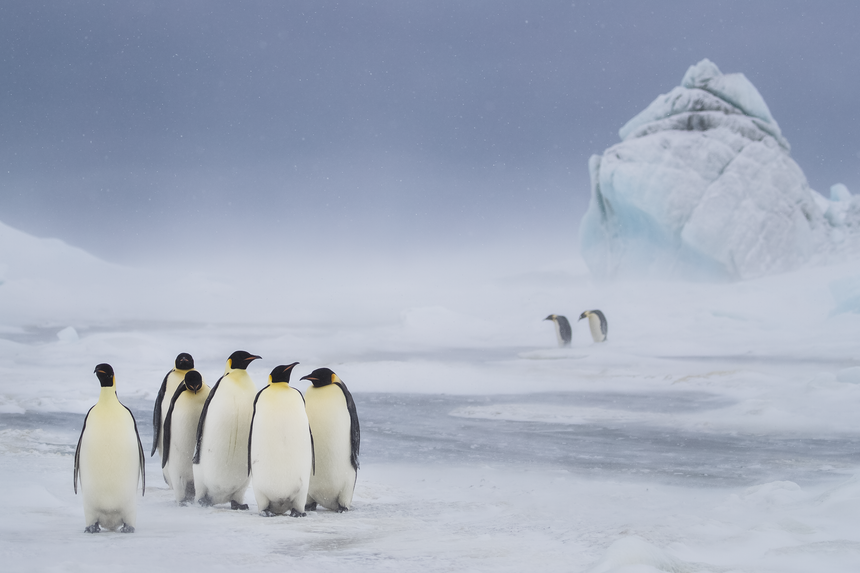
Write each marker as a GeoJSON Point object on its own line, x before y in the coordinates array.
{"type": "Point", "coordinates": [562, 329]}
{"type": "Point", "coordinates": [597, 324]}
{"type": "Point", "coordinates": [337, 436]}
{"type": "Point", "coordinates": [220, 462]}
{"type": "Point", "coordinates": [109, 460]}
{"type": "Point", "coordinates": [280, 452]}
{"type": "Point", "coordinates": [181, 366]}
{"type": "Point", "coordinates": [180, 434]}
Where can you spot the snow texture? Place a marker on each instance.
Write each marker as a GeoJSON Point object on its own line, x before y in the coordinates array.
{"type": "Point", "coordinates": [716, 431]}
{"type": "Point", "coordinates": [702, 187]}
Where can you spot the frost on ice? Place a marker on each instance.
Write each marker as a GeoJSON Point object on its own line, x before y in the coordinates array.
{"type": "Point", "coordinates": [702, 186]}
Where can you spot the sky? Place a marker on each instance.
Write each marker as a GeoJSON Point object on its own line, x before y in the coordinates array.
{"type": "Point", "coordinates": [162, 131]}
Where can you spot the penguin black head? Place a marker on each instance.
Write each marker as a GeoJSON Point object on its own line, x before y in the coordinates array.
{"type": "Point", "coordinates": [584, 314]}
{"type": "Point", "coordinates": [240, 359]}
{"type": "Point", "coordinates": [282, 373]}
{"type": "Point", "coordinates": [184, 362]}
{"type": "Point", "coordinates": [194, 381]}
{"type": "Point", "coordinates": [551, 317]}
{"type": "Point", "coordinates": [322, 377]}
{"type": "Point", "coordinates": [104, 372]}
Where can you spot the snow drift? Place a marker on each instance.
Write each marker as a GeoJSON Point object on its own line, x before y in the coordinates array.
{"type": "Point", "coordinates": [702, 186]}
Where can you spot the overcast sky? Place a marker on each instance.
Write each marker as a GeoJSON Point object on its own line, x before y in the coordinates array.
{"type": "Point", "coordinates": [144, 129]}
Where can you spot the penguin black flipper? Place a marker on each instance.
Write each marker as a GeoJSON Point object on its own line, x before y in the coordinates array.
{"type": "Point", "coordinates": [165, 450]}
{"type": "Point", "coordinates": [604, 327]}
{"type": "Point", "coordinates": [78, 449]}
{"type": "Point", "coordinates": [196, 458]}
{"type": "Point", "coordinates": [156, 414]}
{"type": "Point", "coordinates": [251, 431]}
{"type": "Point", "coordinates": [354, 429]}
{"type": "Point", "coordinates": [139, 449]}
{"type": "Point", "coordinates": [564, 329]}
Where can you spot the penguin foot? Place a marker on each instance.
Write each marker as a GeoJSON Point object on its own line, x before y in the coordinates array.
{"type": "Point", "coordinates": [312, 506]}
{"type": "Point", "coordinates": [94, 528]}
{"type": "Point", "coordinates": [126, 528]}
{"type": "Point", "coordinates": [205, 501]}
{"type": "Point", "coordinates": [235, 505]}
{"type": "Point", "coordinates": [267, 513]}
{"type": "Point", "coordinates": [342, 509]}
{"type": "Point", "coordinates": [294, 513]}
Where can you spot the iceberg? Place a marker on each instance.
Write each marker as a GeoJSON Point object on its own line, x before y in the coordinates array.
{"type": "Point", "coordinates": [702, 187]}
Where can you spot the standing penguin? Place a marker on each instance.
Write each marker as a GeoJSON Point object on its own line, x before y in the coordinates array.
{"type": "Point", "coordinates": [180, 434]}
{"type": "Point", "coordinates": [280, 452]}
{"type": "Point", "coordinates": [337, 436]}
{"type": "Point", "coordinates": [562, 329]}
{"type": "Point", "coordinates": [182, 365]}
{"type": "Point", "coordinates": [597, 324]}
{"type": "Point", "coordinates": [221, 456]}
{"type": "Point", "coordinates": [108, 461]}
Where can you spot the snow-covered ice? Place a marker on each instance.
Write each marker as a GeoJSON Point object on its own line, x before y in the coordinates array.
{"type": "Point", "coordinates": [715, 430]}
{"type": "Point", "coordinates": [702, 187]}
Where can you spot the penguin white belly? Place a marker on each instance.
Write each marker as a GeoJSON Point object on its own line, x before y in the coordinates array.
{"type": "Point", "coordinates": [174, 379]}
{"type": "Point", "coordinates": [183, 438]}
{"type": "Point", "coordinates": [280, 451]}
{"type": "Point", "coordinates": [109, 467]}
{"type": "Point", "coordinates": [333, 482]}
{"type": "Point", "coordinates": [222, 474]}
{"type": "Point", "coordinates": [594, 325]}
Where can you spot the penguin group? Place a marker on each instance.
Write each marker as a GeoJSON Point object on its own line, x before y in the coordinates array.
{"type": "Point", "coordinates": [296, 451]}
{"type": "Point", "coordinates": [596, 324]}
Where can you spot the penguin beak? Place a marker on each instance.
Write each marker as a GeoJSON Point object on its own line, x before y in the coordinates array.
{"type": "Point", "coordinates": [252, 358]}
{"type": "Point", "coordinates": [308, 377]}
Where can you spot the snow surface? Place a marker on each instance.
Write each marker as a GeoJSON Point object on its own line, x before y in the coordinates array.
{"type": "Point", "coordinates": [715, 430]}
{"type": "Point", "coordinates": [702, 187]}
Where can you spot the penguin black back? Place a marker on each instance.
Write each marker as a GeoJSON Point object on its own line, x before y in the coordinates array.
{"type": "Point", "coordinates": [565, 333]}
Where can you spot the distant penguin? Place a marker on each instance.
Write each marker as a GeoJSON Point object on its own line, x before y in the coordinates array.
{"type": "Point", "coordinates": [597, 324]}
{"type": "Point", "coordinates": [221, 455]}
{"type": "Point", "coordinates": [182, 365]}
{"type": "Point", "coordinates": [337, 436]}
{"type": "Point", "coordinates": [109, 460]}
{"type": "Point", "coordinates": [280, 453]}
{"type": "Point", "coordinates": [562, 329]}
{"type": "Point", "coordinates": [180, 434]}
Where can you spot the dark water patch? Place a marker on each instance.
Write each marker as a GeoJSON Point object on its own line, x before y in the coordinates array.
{"type": "Point", "coordinates": [419, 429]}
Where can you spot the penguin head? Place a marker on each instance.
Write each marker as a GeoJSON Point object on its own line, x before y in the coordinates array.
{"type": "Point", "coordinates": [194, 381]}
{"type": "Point", "coordinates": [240, 359]}
{"type": "Point", "coordinates": [551, 317]}
{"type": "Point", "coordinates": [184, 362]}
{"type": "Point", "coordinates": [584, 314]}
{"type": "Point", "coordinates": [104, 372]}
{"type": "Point", "coordinates": [281, 373]}
{"type": "Point", "coordinates": [322, 377]}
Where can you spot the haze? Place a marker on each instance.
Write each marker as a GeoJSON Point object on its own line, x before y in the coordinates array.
{"type": "Point", "coordinates": [141, 131]}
